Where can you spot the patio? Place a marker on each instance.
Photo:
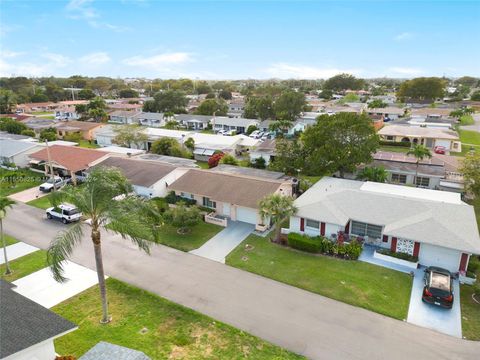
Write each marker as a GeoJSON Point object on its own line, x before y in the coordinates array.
{"type": "Point", "coordinates": [367, 255]}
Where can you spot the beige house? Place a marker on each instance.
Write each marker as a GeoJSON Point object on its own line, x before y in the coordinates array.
{"type": "Point", "coordinates": [84, 128]}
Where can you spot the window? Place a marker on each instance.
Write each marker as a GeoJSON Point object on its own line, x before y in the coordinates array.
{"type": "Point", "coordinates": [186, 195]}
{"type": "Point", "coordinates": [399, 178]}
{"type": "Point", "coordinates": [389, 138]}
{"type": "Point", "coordinates": [405, 246]}
{"type": "Point", "coordinates": [422, 181]}
{"type": "Point", "coordinates": [364, 229]}
{"type": "Point", "coordinates": [313, 224]}
{"type": "Point", "coordinates": [209, 203]}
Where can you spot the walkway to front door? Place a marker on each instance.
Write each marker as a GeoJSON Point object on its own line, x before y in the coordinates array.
{"type": "Point", "coordinates": [219, 246]}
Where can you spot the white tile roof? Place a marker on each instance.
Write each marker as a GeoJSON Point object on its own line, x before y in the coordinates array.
{"type": "Point", "coordinates": [405, 130]}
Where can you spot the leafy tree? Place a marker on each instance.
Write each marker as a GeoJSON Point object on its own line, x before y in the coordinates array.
{"type": "Point", "coordinates": [49, 134]}
{"type": "Point", "coordinates": [54, 92]}
{"type": "Point", "coordinates": [289, 105]}
{"type": "Point", "coordinates": [182, 217]}
{"type": "Point", "coordinates": [100, 85]}
{"type": "Point", "coordinates": [276, 208]}
{"type": "Point", "coordinates": [202, 87]}
{"type": "Point", "coordinates": [457, 113]}
{"type": "Point", "coordinates": [5, 203]}
{"type": "Point", "coordinates": [172, 125]}
{"type": "Point", "coordinates": [229, 160]}
{"type": "Point", "coordinates": [189, 144]}
{"type": "Point", "coordinates": [420, 152]}
{"type": "Point", "coordinates": [225, 94]}
{"type": "Point", "coordinates": [210, 106]}
{"type": "Point", "coordinates": [339, 142]}
{"type": "Point", "coordinates": [280, 126]}
{"type": "Point", "coordinates": [81, 109]}
{"type": "Point", "coordinates": [130, 134]}
{"type": "Point", "coordinates": [289, 156]}
{"type": "Point", "coordinates": [475, 96]}
{"type": "Point", "coordinates": [326, 94]}
{"type": "Point", "coordinates": [12, 126]}
{"type": "Point", "coordinates": [170, 100]}
{"type": "Point", "coordinates": [210, 96]}
{"type": "Point", "coordinates": [251, 128]}
{"type": "Point", "coordinates": [376, 174]}
{"type": "Point", "coordinates": [86, 94]}
{"type": "Point", "coordinates": [422, 89]}
{"type": "Point", "coordinates": [376, 104]}
{"type": "Point", "coordinates": [467, 81]}
{"type": "Point", "coordinates": [258, 163]}
{"type": "Point", "coordinates": [150, 106]}
{"type": "Point", "coordinates": [78, 81]}
{"type": "Point", "coordinates": [343, 82]}
{"type": "Point", "coordinates": [8, 100]}
{"type": "Point", "coordinates": [259, 108]}
{"type": "Point", "coordinates": [95, 200]}
{"type": "Point", "coordinates": [96, 109]}
{"type": "Point", "coordinates": [471, 173]}
{"type": "Point", "coordinates": [128, 93]}
{"type": "Point", "coordinates": [168, 146]}
{"type": "Point", "coordinates": [39, 97]}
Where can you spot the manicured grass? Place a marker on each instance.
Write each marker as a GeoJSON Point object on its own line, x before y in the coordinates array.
{"type": "Point", "coordinates": [199, 234]}
{"type": "Point", "coordinates": [469, 137]}
{"type": "Point", "coordinates": [470, 313]}
{"type": "Point", "coordinates": [311, 179]}
{"type": "Point", "coordinates": [357, 283]}
{"type": "Point", "coordinates": [158, 327]}
{"type": "Point", "coordinates": [42, 113]}
{"type": "Point", "coordinates": [9, 240]}
{"type": "Point", "coordinates": [87, 144]}
{"type": "Point", "coordinates": [203, 164]}
{"type": "Point", "coordinates": [25, 265]}
{"type": "Point", "coordinates": [12, 182]}
{"type": "Point", "coordinates": [41, 203]}
{"type": "Point", "coordinates": [399, 149]}
{"type": "Point", "coordinates": [467, 120]}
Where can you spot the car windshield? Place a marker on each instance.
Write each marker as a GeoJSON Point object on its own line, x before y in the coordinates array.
{"type": "Point", "coordinates": [50, 181]}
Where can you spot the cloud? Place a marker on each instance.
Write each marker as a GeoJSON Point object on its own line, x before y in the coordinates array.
{"type": "Point", "coordinates": [57, 60]}
{"type": "Point", "coordinates": [49, 66]}
{"type": "Point", "coordinates": [84, 10]}
{"type": "Point", "coordinates": [95, 59]}
{"type": "Point", "coordinates": [403, 36]}
{"type": "Point", "coordinates": [158, 62]}
{"type": "Point", "coordinates": [405, 71]}
{"type": "Point", "coordinates": [11, 54]}
{"type": "Point", "coordinates": [284, 70]}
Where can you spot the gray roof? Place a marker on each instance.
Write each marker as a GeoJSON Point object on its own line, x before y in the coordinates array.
{"type": "Point", "coordinates": [10, 148]}
{"type": "Point", "coordinates": [423, 215]}
{"type": "Point", "coordinates": [239, 170]}
{"type": "Point", "coordinates": [199, 118]}
{"type": "Point", "coordinates": [6, 135]}
{"type": "Point", "coordinates": [25, 323]}
{"type": "Point", "coordinates": [409, 168]}
{"type": "Point", "coordinates": [106, 351]}
{"type": "Point", "coordinates": [236, 121]}
{"type": "Point", "coordinates": [175, 161]}
{"type": "Point", "coordinates": [149, 116]}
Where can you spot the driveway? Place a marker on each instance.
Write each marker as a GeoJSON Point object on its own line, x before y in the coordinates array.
{"type": "Point", "coordinates": [44, 290]}
{"type": "Point", "coordinates": [16, 251]}
{"type": "Point", "coordinates": [219, 246]}
{"type": "Point", "coordinates": [28, 195]}
{"type": "Point", "coordinates": [433, 317]}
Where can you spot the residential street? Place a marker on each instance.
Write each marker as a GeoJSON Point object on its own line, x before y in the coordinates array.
{"type": "Point", "coordinates": [303, 322]}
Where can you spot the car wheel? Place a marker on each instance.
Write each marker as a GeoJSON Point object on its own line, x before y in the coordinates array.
{"type": "Point", "coordinates": [49, 216]}
{"type": "Point", "coordinates": [64, 221]}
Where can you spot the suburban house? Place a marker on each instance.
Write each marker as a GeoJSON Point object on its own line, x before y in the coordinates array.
{"type": "Point", "coordinates": [31, 327]}
{"type": "Point", "coordinates": [66, 113]}
{"type": "Point", "coordinates": [125, 106]}
{"type": "Point", "coordinates": [235, 109]}
{"type": "Point", "coordinates": [85, 129]}
{"type": "Point", "coordinates": [207, 144]}
{"type": "Point", "coordinates": [435, 226]}
{"type": "Point", "coordinates": [231, 196]}
{"type": "Point", "coordinates": [149, 178]}
{"type": "Point", "coordinates": [120, 150]}
{"type": "Point", "coordinates": [37, 124]}
{"type": "Point", "coordinates": [265, 149]}
{"type": "Point", "coordinates": [17, 151]}
{"type": "Point", "coordinates": [432, 113]}
{"type": "Point", "coordinates": [193, 122]}
{"type": "Point", "coordinates": [240, 125]}
{"type": "Point", "coordinates": [69, 161]}
{"type": "Point", "coordinates": [122, 116]}
{"type": "Point", "coordinates": [149, 119]}
{"type": "Point", "coordinates": [429, 137]}
{"type": "Point", "coordinates": [389, 113]}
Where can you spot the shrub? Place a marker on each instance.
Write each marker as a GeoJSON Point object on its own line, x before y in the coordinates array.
{"type": "Point", "coordinates": [473, 265]}
{"type": "Point", "coordinates": [353, 250]}
{"type": "Point", "coordinates": [28, 132]}
{"type": "Point", "coordinates": [172, 198]}
{"type": "Point", "coordinates": [258, 163]}
{"type": "Point", "coordinates": [229, 160]}
{"type": "Point", "coordinates": [400, 144]}
{"type": "Point", "coordinates": [304, 243]}
{"type": "Point", "coordinates": [398, 255]}
{"type": "Point", "coordinates": [215, 159]}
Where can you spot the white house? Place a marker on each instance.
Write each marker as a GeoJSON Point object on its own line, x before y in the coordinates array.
{"type": "Point", "coordinates": [149, 119]}
{"type": "Point", "coordinates": [240, 125]}
{"type": "Point", "coordinates": [436, 226]}
{"type": "Point", "coordinates": [17, 151]}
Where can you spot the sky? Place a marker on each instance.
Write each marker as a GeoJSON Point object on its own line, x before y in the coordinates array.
{"type": "Point", "coordinates": [239, 39]}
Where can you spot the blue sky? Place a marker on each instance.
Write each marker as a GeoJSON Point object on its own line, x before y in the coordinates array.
{"type": "Point", "coordinates": [239, 39]}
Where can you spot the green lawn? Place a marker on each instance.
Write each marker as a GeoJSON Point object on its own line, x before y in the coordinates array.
{"type": "Point", "coordinates": [158, 327]}
{"type": "Point", "coordinates": [25, 265]}
{"type": "Point", "coordinates": [203, 164]}
{"type": "Point", "coordinates": [467, 120]}
{"type": "Point", "coordinates": [87, 144]}
{"type": "Point", "coordinates": [399, 149]}
{"type": "Point", "coordinates": [9, 240]}
{"type": "Point", "coordinates": [12, 182]}
{"type": "Point", "coordinates": [470, 313]}
{"type": "Point", "coordinates": [199, 234]}
{"type": "Point", "coordinates": [41, 203]}
{"type": "Point", "coordinates": [42, 113]}
{"type": "Point", "coordinates": [469, 137]}
{"type": "Point", "coordinates": [357, 283]}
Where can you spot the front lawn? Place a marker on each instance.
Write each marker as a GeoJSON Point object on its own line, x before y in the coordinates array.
{"type": "Point", "coordinates": [158, 327]}
{"type": "Point", "coordinates": [467, 120]}
{"type": "Point", "coordinates": [25, 265]}
{"type": "Point", "coordinates": [470, 313]}
{"type": "Point", "coordinates": [354, 282]}
{"type": "Point", "coordinates": [469, 137]}
{"type": "Point", "coordinates": [203, 164]}
{"type": "Point", "coordinates": [87, 144]}
{"type": "Point", "coordinates": [41, 202]}
{"type": "Point", "coordinates": [9, 240]}
{"type": "Point", "coordinates": [200, 233]}
{"type": "Point", "coordinates": [12, 182]}
{"type": "Point", "coordinates": [398, 149]}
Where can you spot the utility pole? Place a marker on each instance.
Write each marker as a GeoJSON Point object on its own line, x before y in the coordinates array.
{"type": "Point", "coordinates": [52, 176]}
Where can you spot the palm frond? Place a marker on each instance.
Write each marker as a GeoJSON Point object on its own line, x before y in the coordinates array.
{"type": "Point", "coordinates": [61, 248]}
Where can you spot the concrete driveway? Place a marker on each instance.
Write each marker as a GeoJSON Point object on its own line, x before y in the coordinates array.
{"type": "Point", "coordinates": [44, 290]}
{"type": "Point", "coordinates": [433, 317]}
{"type": "Point", "coordinates": [219, 246]}
{"type": "Point", "coordinates": [28, 195]}
{"type": "Point", "coordinates": [16, 251]}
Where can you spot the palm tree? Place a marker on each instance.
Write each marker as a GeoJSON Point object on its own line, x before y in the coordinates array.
{"type": "Point", "coordinates": [277, 208]}
{"type": "Point", "coordinates": [4, 204]}
{"type": "Point", "coordinates": [376, 174]}
{"type": "Point", "coordinates": [420, 152]}
{"type": "Point", "coordinates": [104, 199]}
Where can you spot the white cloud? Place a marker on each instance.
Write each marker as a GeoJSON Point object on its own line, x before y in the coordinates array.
{"type": "Point", "coordinates": [95, 59]}
{"type": "Point", "coordinates": [158, 62]}
{"type": "Point", "coordinates": [56, 59]}
{"type": "Point", "coordinates": [84, 10]}
{"type": "Point", "coordinates": [49, 66]}
{"type": "Point", "coordinates": [403, 36]}
{"type": "Point", "coordinates": [284, 70]}
{"type": "Point", "coordinates": [11, 54]}
{"type": "Point", "coordinates": [405, 71]}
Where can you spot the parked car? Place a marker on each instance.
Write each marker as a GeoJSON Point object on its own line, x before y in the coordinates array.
{"type": "Point", "coordinates": [268, 135]}
{"type": "Point", "coordinates": [257, 134]}
{"type": "Point", "coordinates": [439, 150]}
{"type": "Point", "coordinates": [438, 289]}
{"type": "Point", "coordinates": [221, 132]}
{"type": "Point", "coordinates": [229, 133]}
{"type": "Point", "coordinates": [57, 182]}
{"type": "Point", "coordinates": [65, 213]}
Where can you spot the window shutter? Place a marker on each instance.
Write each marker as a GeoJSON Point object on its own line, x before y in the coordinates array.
{"type": "Point", "coordinates": [416, 248]}
{"type": "Point", "coordinates": [385, 238]}
{"type": "Point", "coordinates": [393, 246]}
{"type": "Point", "coordinates": [322, 229]}
{"type": "Point", "coordinates": [302, 224]}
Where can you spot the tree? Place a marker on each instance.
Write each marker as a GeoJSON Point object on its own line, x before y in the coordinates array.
{"type": "Point", "coordinates": [422, 89]}
{"type": "Point", "coordinates": [215, 159]}
{"type": "Point", "coordinates": [259, 108]}
{"type": "Point", "coordinates": [38, 97]}
{"type": "Point", "coordinates": [289, 105]}
{"type": "Point", "coordinates": [471, 173]}
{"type": "Point", "coordinates": [49, 134]}
{"type": "Point", "coordinates": [258, 163]}
{"type": "Point", "coordinates": [168, 146]}
{"type": "Point", "coordinates": [130, 134]}
{"type": "Point", "coordinates": [289, 156]}
{"type": "Point", "coordinates": [5, 203]}
{"type": "Point", "coordinates": [475, 96]}
{"type": "Point", "coordinates": [280, 126]}
{"type": "Point", "coordinates": [210, 106]}
{"type": "Point", "coordinates": [376, 174]}
{"type": "Point", "coordinates": [54, 92]}
{"type": "Point", "coordinates": [339, 142]}
{"type": "Point", "coordinates": [182, 217]}
{"type": "Point", "coordinates": [128, 93]}
{"type": "Point", "coordinates": [467, 81]}
{"type": "Point", "coordinates": [28, 132]}
{"type": "Point", "coordinates": [96, 109]}
{"type": "Point", "coordinates": [275, 208]}
{"type": "Point", "coordinates": [343, 82]}
{"type": "Point", "coordinates": [326, 94]}
{"type": "Point", "coordinates": [420, 152]}
{"type": "Point", "coordinates": [225, 94]}
{"type": "Point", "coordinates": [149, 106]}
{"type": "Point", "coordinates": [251, 128]}
{"type": "Point", "coordinates": [100, 85]}
{"type": "Point", "coordinates": [210, 96]}
{"type": "Point", "coordinates": [229, 160]}
{"type": "Point", "coordinates": [189, 144]}
{"type": "Point", "coordinates": [376, 104]}
{"type": "Point", "coordinates": [170, 100]}
{"type": "Point", "coordinates": [8, 100]}
{"type": "Point", "coordinates": [11, 126]}
{"type": "Point", "coordinates": [95, 200]}
{"type": "Point", "coordinates": [86, 94]}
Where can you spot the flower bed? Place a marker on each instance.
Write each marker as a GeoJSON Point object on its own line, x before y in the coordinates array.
{"type": "Point", "coordinates": [322, 245]}
{"type": "Point", "coordinates": [397, 258]}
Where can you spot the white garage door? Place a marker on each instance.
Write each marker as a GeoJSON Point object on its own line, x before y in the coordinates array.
{"type": "Point", "coordinates": [431, 255]}
{"type": "Point", "coordinates": [445, 143]}
{"type": "Point", "coordinates": [247, 215]}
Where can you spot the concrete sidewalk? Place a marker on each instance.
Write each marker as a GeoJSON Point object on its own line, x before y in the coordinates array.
{"type": "Point", "coordinates": [28, 195]}
{"type": "Point", "coordinates": [16, 251]}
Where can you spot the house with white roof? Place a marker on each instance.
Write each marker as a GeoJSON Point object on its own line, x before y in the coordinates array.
{"type": "Point", "coordinates": [17, 151]}
{"type": "Point", "coordinates": [240, 125]}
{"type": "Point", "coordinates": [435, 226]}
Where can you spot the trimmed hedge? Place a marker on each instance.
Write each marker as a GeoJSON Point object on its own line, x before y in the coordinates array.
{"type": "Point", "coordinates": [304, 243]}
{"type": "Point", "coordinates": [325, 246]}
{"type": "Point", "coordinates": [398, 255]}
{"type": "Point", "coordinates": [392, 143]}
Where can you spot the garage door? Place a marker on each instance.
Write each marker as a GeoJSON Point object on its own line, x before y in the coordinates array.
{"type": "Point", "coordinates": [247, 215]}
{"type": "Point", "coordinates": [431, 255]}
{"type": "Point", "coordinates": [445, 143]}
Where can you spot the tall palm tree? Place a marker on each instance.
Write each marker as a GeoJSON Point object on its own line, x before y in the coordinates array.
{"type": "Point", "coordinates": [5, 203]}
{"type": "Point", "coordinates": [376, 174]}
{"type": "Point", "coordinates": [104, 199]}
{"type": "Point", "coordinates": [420, 152]}
{"type": "Point", "coordinates": [277, 208]}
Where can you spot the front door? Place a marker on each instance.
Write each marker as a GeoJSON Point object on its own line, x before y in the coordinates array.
{"type": "Point", "coordinates": [226, 209]}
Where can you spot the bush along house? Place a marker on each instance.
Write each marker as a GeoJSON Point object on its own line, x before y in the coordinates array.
{"type": "Point", "coordinates": [435, 227]}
